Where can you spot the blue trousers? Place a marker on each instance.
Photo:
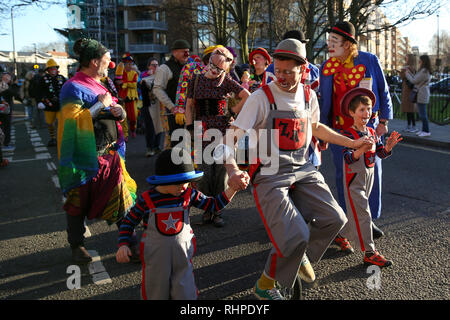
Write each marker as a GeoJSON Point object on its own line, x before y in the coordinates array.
{"type": "Point", "coordinates": [375, 195]}
{"type": "Point", "coordinates": [423, 116]}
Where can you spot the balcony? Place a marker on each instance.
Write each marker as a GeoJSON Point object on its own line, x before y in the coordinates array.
{"type": "Point", "coordinates": [147, 24]}
{"type": "Point", "coordinates": [136, 3]}
{"type": "Point", "coordinates": [147, 48]}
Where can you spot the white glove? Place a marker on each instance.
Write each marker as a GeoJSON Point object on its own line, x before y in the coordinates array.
{"type": "Point", "coordinates": [41, 106]}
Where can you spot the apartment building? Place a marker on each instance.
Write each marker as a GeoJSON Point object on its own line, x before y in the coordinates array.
{"type": "Point", "coordinates": [144, 28]}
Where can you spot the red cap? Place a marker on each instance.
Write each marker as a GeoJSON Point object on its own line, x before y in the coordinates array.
{"type": "Point", "coordinates": [262, 52]}
{"type": "Point", "coordinates": [348, 97]}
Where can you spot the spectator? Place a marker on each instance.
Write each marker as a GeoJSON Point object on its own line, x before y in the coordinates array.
{"type": "Point", "coordinates": [421, 81]}
{"type": "Point", "coordinates": [407, 105]}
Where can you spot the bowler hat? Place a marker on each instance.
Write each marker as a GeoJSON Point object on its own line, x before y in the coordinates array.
{"type": "Point", "coordinates": [180, 44]}
{"type": "Point", "coordinates": [348, 97]}
{"type": "Point", "coordinates": [292, 49]}
{"type": "Point", "coordinates": [295, 34]}
{"type": "Point", "coordinates": [345, 29]}
{"type": "Point", "coordinates": [262, 52]}
{"type": "Point", "coordinates": [174, 166]}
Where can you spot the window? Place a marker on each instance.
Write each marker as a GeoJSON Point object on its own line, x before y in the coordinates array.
{"type": "Point", "coordinates": [202, 14]}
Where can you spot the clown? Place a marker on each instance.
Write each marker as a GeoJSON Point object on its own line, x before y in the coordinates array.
{"type": "Point", "coordinates": [259, 60]}
{"type": "Point", "coordinates": [346, 69]}
{"type": "Point", "coordinates": [50, 86]}
{"type": "Point", "coordinates": [128, 92]}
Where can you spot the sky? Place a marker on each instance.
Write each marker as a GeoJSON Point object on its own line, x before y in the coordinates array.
{"type": "Point", "coordinates": [34, 25]}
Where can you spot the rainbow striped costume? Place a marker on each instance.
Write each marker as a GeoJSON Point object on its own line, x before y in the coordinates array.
{"type": "Point", "coordinates": [95, 184]}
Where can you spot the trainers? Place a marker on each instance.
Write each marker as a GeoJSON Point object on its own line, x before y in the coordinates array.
{"type": "Point", "coordinates": [269, 294]}
{"type": "Point", "coordinates": [218, 221]}
{"type": "Point", "coordinates": [375, 258]}
{"type": "Point", "coordinates": [424, 134]}
{"type": "Point", "coordinates": [51, 143]}
{"type": "Point", "coordinates": [306, 271]}
{"type": "Point", "coordinates": [149, 153]}
{"type": "Point", "coordinates": [80, 255]}
{"type": "Point", "coordinates": [413, 130]}
{"type": "Point", "coordinates": [344, 244]}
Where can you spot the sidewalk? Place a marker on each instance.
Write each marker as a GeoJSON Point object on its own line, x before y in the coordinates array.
{"type": "Point", "coordinates": [440, 135]}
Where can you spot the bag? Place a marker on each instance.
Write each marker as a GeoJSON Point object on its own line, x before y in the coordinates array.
{"type": "Point", "coordinates": [413, 95]}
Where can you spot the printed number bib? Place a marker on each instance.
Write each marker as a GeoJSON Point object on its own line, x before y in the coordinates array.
{"type": "Point", "coordinates": [291, 134]}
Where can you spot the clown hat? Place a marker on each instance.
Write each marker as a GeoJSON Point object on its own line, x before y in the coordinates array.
{"type": "Point", "coordinates": [119, 70]}
{"type": "Point", "coordinates": [345, 29]}
{"type": "Point", "coordinates": [174, 166]}
{"type": "Point", "coordinates": [348, 97]}
{"type": "Point", "coordinates": [50, 64]}
{"type": "Point", "coordinates": [127, 57]}
{"type": "Point", "coordinates": [262, 52]}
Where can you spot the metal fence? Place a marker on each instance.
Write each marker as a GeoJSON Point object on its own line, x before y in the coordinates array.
{"type": "Point", "coordinates": [438, 108]}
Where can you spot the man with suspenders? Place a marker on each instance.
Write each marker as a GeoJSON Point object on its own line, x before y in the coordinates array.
{"type": "Point", "coordinates": [295, 194]}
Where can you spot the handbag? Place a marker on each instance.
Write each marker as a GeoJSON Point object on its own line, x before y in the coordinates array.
{"type": "Point", "coordinates": [413, 96]}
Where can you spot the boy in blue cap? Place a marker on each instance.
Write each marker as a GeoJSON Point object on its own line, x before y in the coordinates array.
{"type": "Point", "coordinates": [168, 244]}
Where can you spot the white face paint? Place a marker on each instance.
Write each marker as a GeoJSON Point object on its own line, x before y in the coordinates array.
{"type": "Point", "coordinates": [335, 45]}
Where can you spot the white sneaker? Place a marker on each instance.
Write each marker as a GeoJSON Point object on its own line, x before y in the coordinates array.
{"type": "Point", "coordinates": [418, 132]}
{"type": "Point", "coordinates": [424, 134]}
{"type": "Point", "coordinates": [412, 130]}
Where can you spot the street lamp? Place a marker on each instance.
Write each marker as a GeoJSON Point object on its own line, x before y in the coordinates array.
{"type": "Point", "coordinates": [13, 39]}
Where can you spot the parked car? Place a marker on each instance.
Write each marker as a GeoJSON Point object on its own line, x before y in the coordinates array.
{"type": "Point", "coordinates": [442, 86]}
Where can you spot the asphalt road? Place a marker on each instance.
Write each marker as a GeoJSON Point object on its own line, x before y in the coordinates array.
{"type": "Point", "coordinates": [35, 256]}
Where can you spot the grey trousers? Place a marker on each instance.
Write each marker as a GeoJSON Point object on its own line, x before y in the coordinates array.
{"type": "Point", "coordinates": [286, 210]}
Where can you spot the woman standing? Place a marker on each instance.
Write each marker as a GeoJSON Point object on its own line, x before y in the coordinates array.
{"type": "Point", "coordinates": [407, 106]}
{"type": "Point", "coordinates": [421, 81]}
{"type": "Point", "coordinates": [206, 102]}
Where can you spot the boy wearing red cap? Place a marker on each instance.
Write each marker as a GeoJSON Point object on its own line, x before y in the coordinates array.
{"type": "Point", "coordinates": [358, 165]}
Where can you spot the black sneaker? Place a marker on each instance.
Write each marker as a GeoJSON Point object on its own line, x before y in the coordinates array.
{"type": "Point", "coordinates": [51, 143]}
{"type": "Point", "coordinates": [218, 221]}
{"type": "Point", "coordinates": [80, 255]}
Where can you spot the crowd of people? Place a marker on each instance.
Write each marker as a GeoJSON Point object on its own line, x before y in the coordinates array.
{"type": "Point", "coordinates": [344, 105]}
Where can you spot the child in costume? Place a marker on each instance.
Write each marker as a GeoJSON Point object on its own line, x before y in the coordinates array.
{"type": "Point", "coordinates": [168, 244]}
{"type": "Point", "coordinates": [359, 172]}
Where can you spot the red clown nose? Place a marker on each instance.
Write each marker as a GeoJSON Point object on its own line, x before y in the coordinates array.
{"type": "Point", "coordinates": [112, 65]}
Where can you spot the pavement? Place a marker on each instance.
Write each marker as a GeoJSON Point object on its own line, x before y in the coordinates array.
{"type": "Point", "coordinates": [440, 134]}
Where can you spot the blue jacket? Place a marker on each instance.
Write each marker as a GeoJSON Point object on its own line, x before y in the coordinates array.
{"type": "Point", "coordinates": [379, 86]}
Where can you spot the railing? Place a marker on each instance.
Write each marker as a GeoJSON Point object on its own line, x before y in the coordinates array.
{"type": "Point", "coordinates": [438, 108]}
{"type": "Point", "coordinates": [147, 24]}
{"type": "Point", "coordinates": [144, 48]}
